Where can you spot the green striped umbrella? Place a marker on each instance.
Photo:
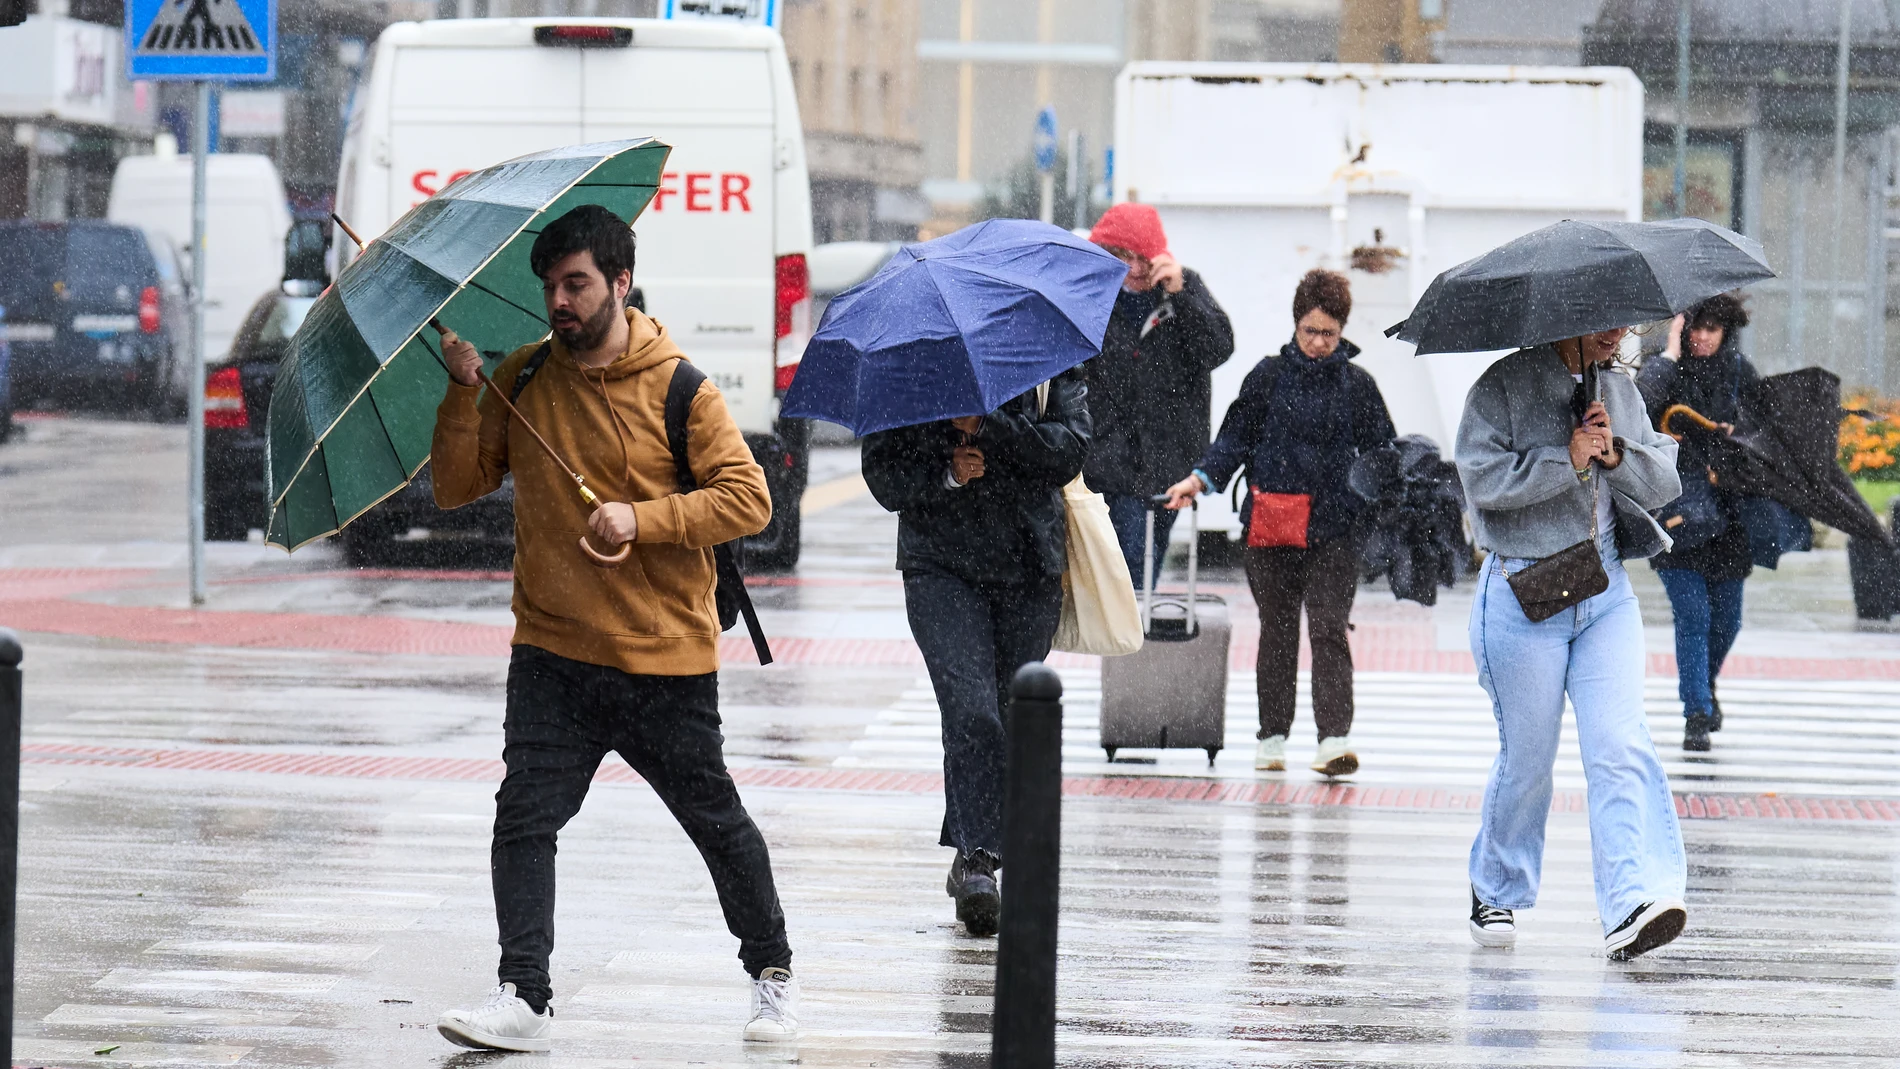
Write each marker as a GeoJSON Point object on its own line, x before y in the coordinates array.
{"type": "Point", "coordinates": [353, 410]}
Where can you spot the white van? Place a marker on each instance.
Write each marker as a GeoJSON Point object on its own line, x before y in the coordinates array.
{"type": "Point", "coordinates": [722, 248]}
{"type": "Point", "coordinates": [247, 218]}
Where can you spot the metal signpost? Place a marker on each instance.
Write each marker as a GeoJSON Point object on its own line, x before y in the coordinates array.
{"type": "Point", "coordinates": [200, 41]}
{"type": "Point", "coordinates": [1046, 161]}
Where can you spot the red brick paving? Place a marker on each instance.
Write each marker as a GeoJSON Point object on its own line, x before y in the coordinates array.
{"type": "Point", "coordinates": [46, 600]}
{"type": "Point", "coordinates": [1145, 788]}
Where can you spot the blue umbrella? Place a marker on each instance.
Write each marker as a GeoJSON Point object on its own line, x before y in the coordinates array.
{"type": "Point", "coordinates": [957, 326]}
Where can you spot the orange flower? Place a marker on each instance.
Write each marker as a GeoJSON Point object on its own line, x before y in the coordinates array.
{"type": "Point", "coordinates": [1871, 447]}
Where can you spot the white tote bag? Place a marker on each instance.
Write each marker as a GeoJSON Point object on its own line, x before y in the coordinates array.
{"type": "Point", "coordinates": [1099, 613]}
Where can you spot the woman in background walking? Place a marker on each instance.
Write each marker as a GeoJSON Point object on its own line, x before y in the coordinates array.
{"type": "Point", "coordinates": [1298, 424]}
{"type": "Point", "coordinates": [1704, 582]}
{"type": "Point", "coordinates": [982, 540]}
{"type": "Point", "coordinates": [1549, 469]}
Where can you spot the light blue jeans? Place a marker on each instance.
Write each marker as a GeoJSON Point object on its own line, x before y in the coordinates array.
{"type": "Point", "coordinates": [1593, 652]}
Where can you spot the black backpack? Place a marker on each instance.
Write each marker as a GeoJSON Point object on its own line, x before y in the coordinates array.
{"type": "Point", "coordinates": [729, 595]}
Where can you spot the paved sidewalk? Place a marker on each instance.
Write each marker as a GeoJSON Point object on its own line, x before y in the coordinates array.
{"type": "Point", "coordinates": [325, 922]}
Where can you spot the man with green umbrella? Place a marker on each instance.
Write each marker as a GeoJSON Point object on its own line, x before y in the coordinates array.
{"type": "Point", "coordinates": [624, 659]}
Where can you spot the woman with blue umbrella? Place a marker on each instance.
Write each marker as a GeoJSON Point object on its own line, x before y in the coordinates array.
{"type": "Point", "coordinates": [955, 363]}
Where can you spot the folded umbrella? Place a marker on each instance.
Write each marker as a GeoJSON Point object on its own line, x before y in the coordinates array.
{"type": "Point", "coordinates": [957, 326]}
{"type": "Point", "coordinates": [1575, 278]}
{"type": "Point", "coordinates": [352, 414]}
{"type": "Point", "coordinates": [1790, 453]}
{"type": "Point", "coordinates": [1412, 528]}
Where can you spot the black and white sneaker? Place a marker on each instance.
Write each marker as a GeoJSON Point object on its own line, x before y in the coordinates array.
{"type": "Point", "coordinates": [1651, 925]}
{"type": "Point", "coordinates": [1491, 926]}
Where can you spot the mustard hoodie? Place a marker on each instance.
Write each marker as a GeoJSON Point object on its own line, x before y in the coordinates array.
{"type": "Point", "coordinates": [653, 615]}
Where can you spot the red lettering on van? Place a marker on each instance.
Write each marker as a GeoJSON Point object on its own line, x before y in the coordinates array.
{"type": "Point", "coordinates": [664, 190]}
{"type": "Point", "coordinates": [698, 189]}
{"type": "Point", "coordinates": [698, 192]}
{"type": "Point", "coordinates": [733, 187]}
{"type": "Point", "coordinates": [417, 183]}
{"type": "Point", "coordinates": [456, 177]}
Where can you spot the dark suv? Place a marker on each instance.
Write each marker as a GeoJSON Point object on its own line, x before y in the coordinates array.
{"type": "Point", "coordinates": [405, 528]}
{"type": "Point", "coordinates": [95, 318]}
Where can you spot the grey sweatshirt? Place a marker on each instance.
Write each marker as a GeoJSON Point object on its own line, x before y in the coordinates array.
{"type": "Point", "coordinates": [1514, 458]}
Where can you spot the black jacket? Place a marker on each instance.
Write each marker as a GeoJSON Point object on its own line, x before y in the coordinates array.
{"type": "Point", "coordinates": [1713, 386]}
{"type": "Point", "coordinates": [1297, 426]}
{"type": "Point", "coordinates": [1150, 396]}
{"type": "Point", "coordinates": [1009, 525]}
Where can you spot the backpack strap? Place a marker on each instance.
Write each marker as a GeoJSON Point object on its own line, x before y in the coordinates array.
{"type": "Point", "coordinates": [679, 408]}
{"type": "Point", "coordinates": [528, 369]}
{"type": "Point", "coordinates": [679, 405]}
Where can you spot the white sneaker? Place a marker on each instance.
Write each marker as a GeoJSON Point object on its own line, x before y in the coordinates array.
{"type": "Point", "coordinates": [504, 1022]}
{"type": "Point", "coordinates": [1270, 755]}
{"type": "Point", "coordinates": [774, 1008]}
{"type": "Point", "coordinates": [1335, 757]}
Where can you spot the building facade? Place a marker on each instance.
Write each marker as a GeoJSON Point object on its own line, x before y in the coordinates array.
{"type": "Point", "coordinates": [988, 67]}
{"type": "Point", "coordinates": [1761, 125]}
{"type": "Point", "coordinates": [854, 63]}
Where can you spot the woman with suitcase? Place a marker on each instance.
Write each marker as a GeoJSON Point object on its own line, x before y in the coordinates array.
{"type": "Point", "coordinates": [1299, 422]}
{"type": "Point", "coordinates": [1561, 466]}
{"type": "Point", "coordinates": [982, 541]}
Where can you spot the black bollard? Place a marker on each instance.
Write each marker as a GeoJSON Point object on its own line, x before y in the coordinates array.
{"type": "Point", "coordinates": [1023, 1025]}
{"type": "Point", "coordinates": [10, 654]}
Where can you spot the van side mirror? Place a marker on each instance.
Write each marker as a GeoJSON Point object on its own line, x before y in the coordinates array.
{"type": "Point", "coordinates": [304, 247]}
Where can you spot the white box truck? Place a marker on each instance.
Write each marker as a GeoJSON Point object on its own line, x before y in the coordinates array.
{"type": "Point", "coordinates": [1388, 173]}
{"type": "Point", "coordinates": [246, 219]}
{"type": "Point", "coordinates": [722, 248]}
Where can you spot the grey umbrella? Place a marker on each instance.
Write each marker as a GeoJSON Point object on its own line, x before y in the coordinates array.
{"type": "Point", "coordinates": [1575, 278]}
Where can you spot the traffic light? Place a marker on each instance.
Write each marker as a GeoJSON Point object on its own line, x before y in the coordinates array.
{"type": "Point", "coordinates": [14, 12]}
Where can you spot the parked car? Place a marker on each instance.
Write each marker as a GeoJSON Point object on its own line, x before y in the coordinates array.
{"type": "Point", "coordinates": [837, 266]}
{"type": "Point", "coordinates": [96, 316]}
{"type": "Point", "coordinates": [245, 226]}
{"type": "Point", "coordinates": [404, 528]}
{"type": "Point", "coordinates": [6, 383]}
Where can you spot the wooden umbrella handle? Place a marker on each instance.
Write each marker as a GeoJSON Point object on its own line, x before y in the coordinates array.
{"type": "Point", "coordinates": [606, 560]}
{"type": "Point", "coordinates": [1694, 417]}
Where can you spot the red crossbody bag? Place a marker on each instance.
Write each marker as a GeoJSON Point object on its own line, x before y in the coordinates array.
{"type": "Point", "coordinates": [1278, 519]}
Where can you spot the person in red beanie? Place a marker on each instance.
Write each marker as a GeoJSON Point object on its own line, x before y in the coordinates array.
{"type": "Point", "coordinates": [1151, 389]}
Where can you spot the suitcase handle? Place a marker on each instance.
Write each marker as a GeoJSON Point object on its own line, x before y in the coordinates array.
{"type": "Point", "coordinates": [1148, 566]}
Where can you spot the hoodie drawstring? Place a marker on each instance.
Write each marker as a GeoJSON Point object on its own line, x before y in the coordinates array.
{"type": "Point", "coordinates": [621, 429]}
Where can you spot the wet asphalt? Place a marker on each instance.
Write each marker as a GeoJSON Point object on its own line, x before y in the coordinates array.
{"type": "Point", "coordinates": [261, 916]}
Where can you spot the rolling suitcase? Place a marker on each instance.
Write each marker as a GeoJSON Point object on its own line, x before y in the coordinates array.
{"type": "Point", "coordinates": [1172, 693]}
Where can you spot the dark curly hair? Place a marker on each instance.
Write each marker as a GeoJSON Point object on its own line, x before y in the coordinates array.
{"type": "Point", "coordinates": [1723, 310]}
{"type": "Point", "coordinates": [588, 228]}
{"type": "Point", "coordinates": [1327, 291]}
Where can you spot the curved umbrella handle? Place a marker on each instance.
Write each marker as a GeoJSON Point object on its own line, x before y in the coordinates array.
{"type": "Point", "coordinates": [1693, 416]}
{"type": "Point", "coordinates": [606, 560]}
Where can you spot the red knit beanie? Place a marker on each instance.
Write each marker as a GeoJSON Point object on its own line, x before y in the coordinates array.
{"type": "Point", "coordinates": [1135, 227]}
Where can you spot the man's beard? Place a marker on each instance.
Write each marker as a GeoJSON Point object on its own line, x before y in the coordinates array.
{"type": "Point", "coordinates": [589, 332]}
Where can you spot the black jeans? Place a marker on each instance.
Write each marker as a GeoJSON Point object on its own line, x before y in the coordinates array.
{"type": "Point", "coordinates": [1324, 579]}
{"type": "Point", "coordinates": [974, 637]}
{"type": "Point", "coordinates": [563, 717]}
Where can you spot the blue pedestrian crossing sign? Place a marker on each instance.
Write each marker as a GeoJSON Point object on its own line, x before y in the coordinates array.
{"type": "Point", "coordinates": [201, 40]}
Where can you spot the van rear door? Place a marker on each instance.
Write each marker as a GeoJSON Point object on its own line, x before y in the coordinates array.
{"type": "Point", "coordinates": [454, 110]}
{"type": "Point", "coordinates": [706, 245]}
